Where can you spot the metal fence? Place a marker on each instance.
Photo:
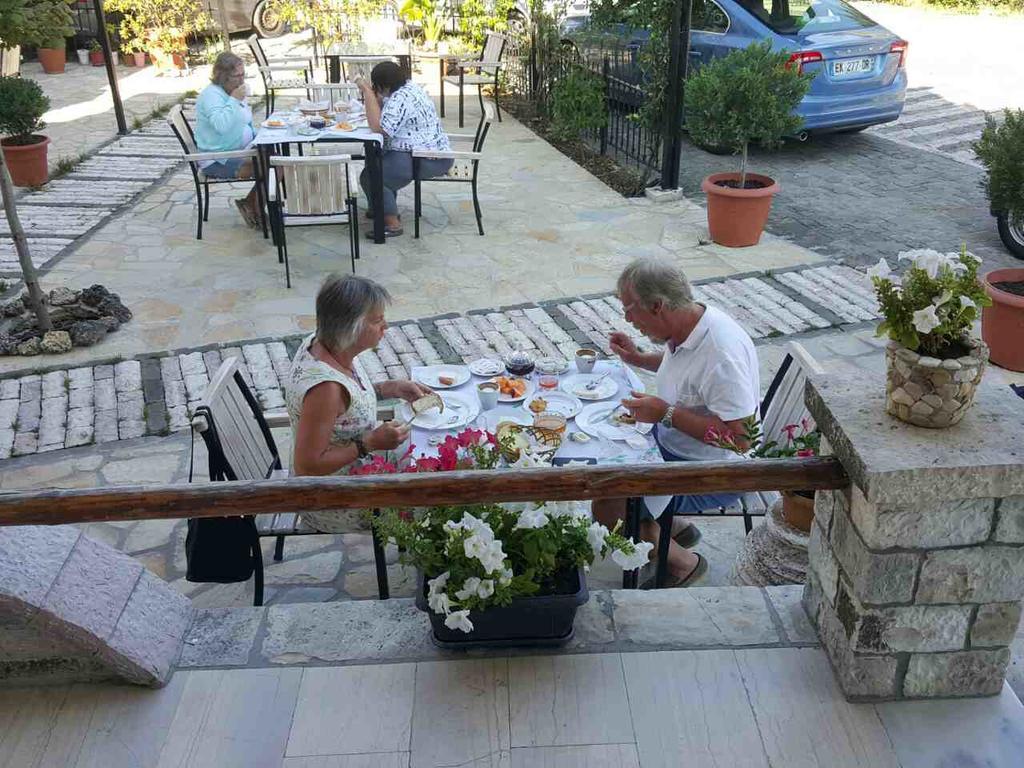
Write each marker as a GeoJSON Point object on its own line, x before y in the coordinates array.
{"type": "Point", "coordinates": [534, 74]}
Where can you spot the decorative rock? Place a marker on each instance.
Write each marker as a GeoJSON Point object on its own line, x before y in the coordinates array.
{"type": "Point", "coordinates": [56, 342]}
{"type": "Point", "coordinates": [29, 348]}
{"type": "Point", "coordinates": [987, 574]}
{"type": "Point", "coordinates": [774, 553]}
{"type": "Point", "coordinates": [63, 296]}
{"type": "Point", "coordinates": [995, 624]}
{"type": "Point", "coordinates": [918, 390]}
{"type": "Point", "coordinates": [85, 333]}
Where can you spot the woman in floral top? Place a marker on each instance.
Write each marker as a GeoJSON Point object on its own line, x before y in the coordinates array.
{"type": "Point", "coordinates": [331, 403]}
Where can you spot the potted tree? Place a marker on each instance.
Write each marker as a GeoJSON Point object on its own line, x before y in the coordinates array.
{"type": "Point", "coordinates": [160, 27]}
{"type": "Point", "coordinates": [508, 574]}
{"type": "Point", "coordinates": [22, 106]}
{"type": "Point", "coordinates": [933, 366]}
{"type": "Point", "coordinates": [50, 24]}
{"type": "Point", "coordinates": [1001, 151]}
{"type": "Point", "coordinates": [749, 95]}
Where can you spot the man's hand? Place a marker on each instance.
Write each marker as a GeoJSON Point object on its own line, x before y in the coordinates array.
{"type": "Point", "coordinates": [623, 346]}
{"type": "Point", "coordinates": [646, 409]}
{"type": "Point", "coordinates": [408, 390]}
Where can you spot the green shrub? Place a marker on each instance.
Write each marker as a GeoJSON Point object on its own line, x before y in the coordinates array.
{"type": "Point", "coordinates": [49, 23]}
{"type": "Point", "coordinates": [577, 105]}
{"type": "Point", "coordinates": [22, 105]}
{"type": "Point", "coordinates": [748, 95]}
{"type": "Point", "coordinates": [1001, 151]}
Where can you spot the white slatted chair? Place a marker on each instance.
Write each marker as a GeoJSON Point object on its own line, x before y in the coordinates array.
{"type": "Point", "coordinates": [783, 404]}
{"type": "Point", "coordinates": [313, 191]}
{"type": "Point", "coordinates": [179, 124]}
{"type": "Point", "coordinates": [465, 169]}
{"type": "Point", "coordinates": [486, 69]}
{"type": "Point", "coordinates": [298, 68]}
{"type": "Point", "coordinates": [238, 440]}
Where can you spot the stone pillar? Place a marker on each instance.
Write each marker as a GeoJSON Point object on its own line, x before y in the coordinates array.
{"type": "Point", "coordinates": [917, 569]}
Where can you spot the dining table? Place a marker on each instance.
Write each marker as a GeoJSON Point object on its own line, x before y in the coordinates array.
{"type": "Point", "coordinates": [297, 132]}
{"type": "Point", "coordinates": [605, 446]}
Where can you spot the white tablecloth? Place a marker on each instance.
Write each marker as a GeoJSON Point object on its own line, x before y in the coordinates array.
{"type": "Point", "coordinates": [605, 451]}
{"type": "Point", "coordinates": [289, 136]}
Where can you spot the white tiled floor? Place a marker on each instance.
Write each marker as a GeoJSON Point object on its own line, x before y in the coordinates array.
{"type": "Point", "coordinates": [758, 707]}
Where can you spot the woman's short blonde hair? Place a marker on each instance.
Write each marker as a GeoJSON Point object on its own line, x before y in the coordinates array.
{"type": "Point", "coordinates": [342, 306]}
{"type": "Point", "coordinates": [224, 67]}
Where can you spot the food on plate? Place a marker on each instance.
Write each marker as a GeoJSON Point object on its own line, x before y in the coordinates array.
{"type": "Point", "coordinates": [446, 381]}
{"type": "Point", "coordinates": [343, 126]}
{"type": "Point", "coordinates": [511, 386]}
{"type": "Point", "coordinates": [275, 123]}
{"type": "Point", "coordinates": [580, 437]}
{"type": "Point", "coordinates": [539, 405]}
{"type": "Point", "coordinates": [623, 417]}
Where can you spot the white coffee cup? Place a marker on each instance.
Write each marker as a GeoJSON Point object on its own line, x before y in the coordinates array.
{"type": "Point", "coordinates": [585, 360]}
{"type": "Point", "coordinates": [488, 393]}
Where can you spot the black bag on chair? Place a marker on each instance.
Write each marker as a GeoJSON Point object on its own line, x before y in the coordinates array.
{"type": "Point", "coordinates": [219, 549]}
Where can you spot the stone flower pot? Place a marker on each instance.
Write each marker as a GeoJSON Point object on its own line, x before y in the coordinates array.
{"type": "Point", "coordinates": [929, 392]}
{"type": "Point", "coordinates": [536, 620]}
{"type": "Point", "coordinates": [27, 162]}
{"type": "Point", "coordinates": [736, 217]}
{"type": "Point", "coordinates": [798, 509]}
{"type": "Point", "coordinates": [1002, 324]}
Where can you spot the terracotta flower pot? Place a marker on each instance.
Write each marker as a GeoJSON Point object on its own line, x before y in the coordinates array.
{"type": "Point", "coordinates": [27, 162]}
{"type": "Point", "coordinates": [1002, 324]}
{"type": "Point", "coordinates": [139, 57]}
{"type": "Point", "coordinates": [96, 58]}
{"type": "Point", "coordinates": [736, 217]}
{"type": "Point", "coordinates": [798, 509]}
{"type": "Point", "coordinates": [929, 392]}
{"type": "Point", "coordinates": [52, 59]}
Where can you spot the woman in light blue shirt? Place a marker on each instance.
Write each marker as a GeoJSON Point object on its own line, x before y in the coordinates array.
{"type": "Point", "coordinates": [224, 123]}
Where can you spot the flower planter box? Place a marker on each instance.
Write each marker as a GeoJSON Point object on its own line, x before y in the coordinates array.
{"type": "Point", "coordinates": [538, 620]}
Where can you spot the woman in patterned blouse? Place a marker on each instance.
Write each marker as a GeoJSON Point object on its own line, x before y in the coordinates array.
{"type": "Point", "coordinates": [405, 114]}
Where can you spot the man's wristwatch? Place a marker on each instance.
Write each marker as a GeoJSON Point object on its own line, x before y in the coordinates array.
{"type": "Point", "coordinates": [360, 446]}
{"type": "Point", "coordinates": [666, 420]}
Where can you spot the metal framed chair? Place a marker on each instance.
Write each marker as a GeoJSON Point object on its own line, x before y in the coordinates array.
{"type": "Point", "coordinates": [782, 404]}
{"type": "Point", "coordinates": [487, 68]}
{"type": "Point", "coordinates": [465, 169]}
{"type": "Point", "coordinates": [183, 131]}
{"type": "Point", "coordinates": [241, 446]}
{"type": "Point", "coordinates": [313, 190]}
{"type": "Point", "coordinates": [268, 67]}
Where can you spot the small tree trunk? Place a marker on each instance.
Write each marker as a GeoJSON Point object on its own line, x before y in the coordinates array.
{"type": "Point", "coordinates": [743, 167]}
{"type": "Point", "coordinates": [28, 271]}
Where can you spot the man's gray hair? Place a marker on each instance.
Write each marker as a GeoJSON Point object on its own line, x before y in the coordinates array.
{"type": "Point", "coordinates": [223, 67]}
{"type": "Point", "coordinates": [342, 306]}
{"type": "Point", "coordinates": [654, 280]}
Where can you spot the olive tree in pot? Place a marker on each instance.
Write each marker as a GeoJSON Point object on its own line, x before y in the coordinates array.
{"type": "Point", "coordinates": [22, 105]}
{"type": "Point", "coordinates": [749, 95]}
{"type": "Point", "coordinates": [1001, 150]}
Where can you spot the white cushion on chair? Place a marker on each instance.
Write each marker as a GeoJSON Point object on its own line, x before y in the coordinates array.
{"type": "Point", "coordinates": [289, 82]}
{"type": "Point", "coordinates": [471, 79]}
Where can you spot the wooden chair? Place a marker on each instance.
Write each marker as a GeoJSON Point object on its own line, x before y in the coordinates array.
{"type": "Point", "coordinates": [238, 438]}
{"type": "Point", "coordinates": [179, 124]}
{"type": "Point", "coordinates": [464, 170]}
{"type": "Point", "coordinates": [311, 191]}
{"type": "Point", "coordinates": [783, 404]}
{"type": "Point", "coordinates": [486, 73]}
{"type": "Point", "coordinates": [298, 67]}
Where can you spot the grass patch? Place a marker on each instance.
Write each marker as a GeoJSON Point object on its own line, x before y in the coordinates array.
{"type": "Point", "coordinates": [67, 164]}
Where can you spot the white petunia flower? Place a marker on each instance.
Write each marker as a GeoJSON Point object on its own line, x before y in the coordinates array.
{"type": "Point", "coordinates": [469, 588]}
{"type": "Point", "coordinates": [967, 301]}
{"type": "Point", "coordinates": [506, 577]}
{"type": "Point", "coordinates": [881, 269]}
{"type": "Point", "coordinates": [486, 589]}
{"type": "Point", "coordinates": [925, 320]}
{"type": "Point", "coordinates": [576, 509]}
{"type": "Point", "coordinates": [640, 556]}
{"type": "Point", "coordinates": [532, 518]}
{"type": "Point", "coordinates": [459, 620]}
{"type": "Point", "coordinates": [596, 534]}
{"type": "Point", "coordinates": [493, 558]}
{"type": "Point", "coordinates": [942, 298]}
{"type": "Point", "coordinates": [436, 585]}
{"type": "Point", "coordinates": [439, 603]}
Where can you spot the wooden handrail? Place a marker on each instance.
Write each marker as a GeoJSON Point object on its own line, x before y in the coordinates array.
{"type": "Point", "coordinates": [159, 502]}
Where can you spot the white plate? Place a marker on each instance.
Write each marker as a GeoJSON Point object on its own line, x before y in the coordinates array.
{"type": "Point", "coordinates": [575, 385]}
{"type": "Point", "coordinates": [430, 375]}
{"type": "Point", "coordinates": [305, 130]}
{"type": "Point", "coordinates": [284, 126]}
{"type": "Point", "coordinates": [593, 420]}
{"type": "Point", "coordinates": [530, 387]}
{"type": "Point", "coordinates": [558, 402]}
{"type": "Point", "coordinates": [490, 420]}
{"type": "Point", "coordinates": [552, 366]}
{"type": "Point", "coordinates": [486, 366]}
{"type": "Point", "coordinates": [459, 410]}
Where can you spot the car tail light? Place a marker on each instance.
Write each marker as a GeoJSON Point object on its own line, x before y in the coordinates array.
{"type": "Point", "coordinates": [900, 47]}
{"type": "Point", "coordinates": [800, 58]}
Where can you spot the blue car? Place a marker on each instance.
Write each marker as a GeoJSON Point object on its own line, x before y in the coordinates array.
{"type": "Point", "coordinates": [860, 70]}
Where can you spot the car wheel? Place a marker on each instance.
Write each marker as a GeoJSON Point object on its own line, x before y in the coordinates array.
{"type": "Point", "coordinates": [1012, 235]}
{"type": "Point", "coordinates": [267, 22]}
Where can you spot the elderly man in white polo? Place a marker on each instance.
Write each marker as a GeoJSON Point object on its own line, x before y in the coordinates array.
{"type": "Point", "coordinates": [706, 376]}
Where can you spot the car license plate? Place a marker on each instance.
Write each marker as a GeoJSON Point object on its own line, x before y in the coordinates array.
{"type": "Point", "coordinates": [846, 67]}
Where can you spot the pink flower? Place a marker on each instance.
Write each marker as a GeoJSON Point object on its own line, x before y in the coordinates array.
{"type": "Point", "coordinates": [805, 424]}
{"type": "Point", "coordinates": [712, 435]}
{"type": "Point", "coordinates": [378, 465]}
{"type": "Point", "coordinates": [805, 453]}
{"type": "Point", "coordinates": [790, 430]}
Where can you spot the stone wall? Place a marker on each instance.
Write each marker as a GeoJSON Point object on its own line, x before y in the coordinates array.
{"type": "Point", "coordinates": [73, 609]}
{"type": "Point", "coordinates": [917, 569]}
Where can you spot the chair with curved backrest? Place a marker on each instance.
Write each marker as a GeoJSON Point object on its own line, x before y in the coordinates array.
{"type": "Point", "coordinates": [272, 69]}
{"type": "Point", "coordinates": [486, 69]}
{"type": "Point", "coordinates": [465, 169]}
{"type": "Point", "coordinates": [179, 124]}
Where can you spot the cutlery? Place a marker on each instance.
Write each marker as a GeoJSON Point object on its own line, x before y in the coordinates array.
{"type": "Point", "coordinates": [593, 385]}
